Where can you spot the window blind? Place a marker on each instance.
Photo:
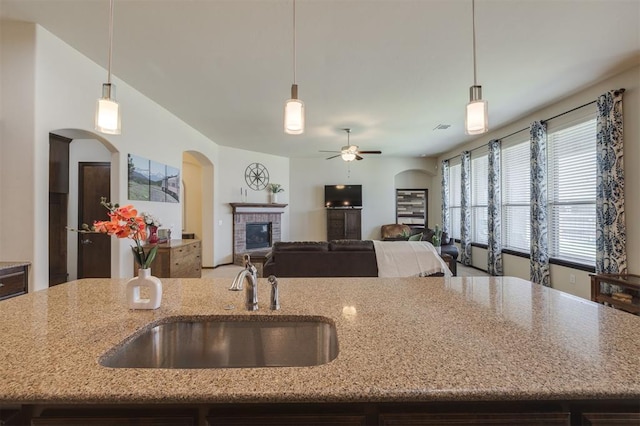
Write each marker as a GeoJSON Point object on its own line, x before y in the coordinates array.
{"type": "Point", "coordinates": [572, 192]}
{"type": "Point", "coordinates": [516, 170]}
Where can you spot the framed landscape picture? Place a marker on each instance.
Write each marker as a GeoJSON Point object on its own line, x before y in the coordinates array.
{"type": "Point", "coordinates": [138, 178]}
{"type": "Point", "coordinates": [153, 181]}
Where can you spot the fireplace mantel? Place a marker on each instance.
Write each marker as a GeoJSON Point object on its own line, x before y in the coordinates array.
{"type": "Point", "coordinates": [258, 207]}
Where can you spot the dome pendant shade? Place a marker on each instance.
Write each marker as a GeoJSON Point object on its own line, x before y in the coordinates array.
{"type": "Point", "coordinates": [294, 113]}
{"type": "Point", "coordinates": [108, 112]}
{"type": "Point", "coordinates": [476, 119]}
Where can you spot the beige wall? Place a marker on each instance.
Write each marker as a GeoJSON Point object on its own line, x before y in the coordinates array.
{"type": "Point", "coordinates": [567, 279]}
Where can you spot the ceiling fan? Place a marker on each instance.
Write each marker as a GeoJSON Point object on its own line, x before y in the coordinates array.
{"type": "Point", "coordinates": [350, 152]}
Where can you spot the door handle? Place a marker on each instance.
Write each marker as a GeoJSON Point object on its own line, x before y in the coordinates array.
{"type": "Point", "coordinates": [86, 241]}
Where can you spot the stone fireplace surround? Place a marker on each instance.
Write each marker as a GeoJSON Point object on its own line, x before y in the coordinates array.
{"type": "Point", "coordinates": [244, 213]}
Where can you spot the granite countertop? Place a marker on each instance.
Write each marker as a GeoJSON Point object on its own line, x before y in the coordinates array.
{"type": "Point", "coordinates": [405, 339]}
{"type": "Point", "coordinates": [7, 265]}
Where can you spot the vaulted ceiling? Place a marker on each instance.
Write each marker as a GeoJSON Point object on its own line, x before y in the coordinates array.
{"type": "Point", "coordinates": [391, 70]}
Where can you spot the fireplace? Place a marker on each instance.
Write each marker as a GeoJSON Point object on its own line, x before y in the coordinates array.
{"type": "Point", "coordinates": [258, 235]}
{"type": "Point", "coordinates": [254, 242]}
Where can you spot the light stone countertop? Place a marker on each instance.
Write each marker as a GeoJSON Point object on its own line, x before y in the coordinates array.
{"type": "Point", "coordinates": [405, 339]}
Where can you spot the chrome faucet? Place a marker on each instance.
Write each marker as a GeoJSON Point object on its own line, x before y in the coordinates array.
{"type": "Point", "coordinates": [249, 274]}
{"type": "Point", "coordinates": [275, 302]}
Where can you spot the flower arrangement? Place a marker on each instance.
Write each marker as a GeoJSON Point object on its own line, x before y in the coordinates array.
{"type": "Point", "coordinates": [150, 220]}
{"type": "Point", "coordinates": [274, 188]}
{"type": "Point", "coordinates": [125, 223]}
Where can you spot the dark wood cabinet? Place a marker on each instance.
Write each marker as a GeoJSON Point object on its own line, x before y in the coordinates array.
{"type": "Point", "coordinates": [13, 280]}
{"type": "Point", "coordinates": [344, 224]}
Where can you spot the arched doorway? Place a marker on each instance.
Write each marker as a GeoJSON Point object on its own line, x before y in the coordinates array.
{"type": "Point", "coordinates": [197, 198]}
{"type": "Point", "coordinates": [79, 174]}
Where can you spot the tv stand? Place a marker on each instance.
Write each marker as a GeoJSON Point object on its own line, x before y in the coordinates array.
{"type": "Point", "coordinates": [344, 223]}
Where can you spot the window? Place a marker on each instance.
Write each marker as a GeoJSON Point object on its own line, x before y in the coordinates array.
{"type": "Point", "coordinates": [455, 199]}
{"type": "Point", "coordinates": [516, 178]}
{"type": "Point", "coordinates": [479, 196]}
{"type": "Point", "coordinates": [572, 192]}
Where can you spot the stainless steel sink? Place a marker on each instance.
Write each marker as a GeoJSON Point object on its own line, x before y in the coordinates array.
{"type": "Point", "coordinates": [228, 342]}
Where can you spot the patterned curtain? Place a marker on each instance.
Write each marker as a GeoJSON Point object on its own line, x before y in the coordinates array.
{"type": "Point", "coordinates": [465, 214]}
{"type": "Point", "coordinates": [611, 238]}
{"type": "Point", "coordinates": [494, 227]}
{"type": "Point", "coordinates": [445, 197]}
{"type": "Point", "coordinates": [539, 242]}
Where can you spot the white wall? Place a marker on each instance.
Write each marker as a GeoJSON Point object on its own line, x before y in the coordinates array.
{"type": "Point", "coordinates": [561, 276]}
{"type": "Point", "coordinates": [377, 177]}
{"type": "Point", "coordinates": [17, 148]}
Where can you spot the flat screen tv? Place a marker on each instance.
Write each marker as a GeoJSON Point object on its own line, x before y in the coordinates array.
{"type": "Point", "coordinates": [343, 196]}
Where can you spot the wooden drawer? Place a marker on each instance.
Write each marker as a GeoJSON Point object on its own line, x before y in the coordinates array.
{"type": "Point", "coordinates": [13, 282]}
{"type": "Point", "coordinates": [186, 261]}
{"type": "Point", "coordinates": [177, 260]}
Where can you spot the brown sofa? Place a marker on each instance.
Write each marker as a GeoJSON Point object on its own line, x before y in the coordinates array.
{"type": "Point", "coordinates": [337, 258]}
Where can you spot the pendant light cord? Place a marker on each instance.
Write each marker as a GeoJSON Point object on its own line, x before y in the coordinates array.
{"type": "Point", "coordinates": [473, 26]}
{"type": "Point", "coordinates": [110, 40]}
{"type": "Point", "coordinates": [294, 41]}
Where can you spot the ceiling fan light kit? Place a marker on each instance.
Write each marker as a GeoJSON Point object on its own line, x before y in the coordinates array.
{"type": "Point", "coordinates": [294, 107]}
{"type": "Point", "coordinates": [476, 119]}
{"type": "Point", "coordinates": [107, 109]}
{"type": "Point", "coordinates": [350, 152]}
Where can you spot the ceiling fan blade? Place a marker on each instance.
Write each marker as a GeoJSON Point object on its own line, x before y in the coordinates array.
{"type": "Point", "coordinates": [333, 157]}
{"type": "Point", "coordinates": [369, 152]}
{"type": "Point", "coordinates": [358, 157]}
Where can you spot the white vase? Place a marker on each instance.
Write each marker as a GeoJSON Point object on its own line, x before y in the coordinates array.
{"type": "Point", "coordinates": [274, 197]}
{"type": "Point", "coordinates": [150, 284]}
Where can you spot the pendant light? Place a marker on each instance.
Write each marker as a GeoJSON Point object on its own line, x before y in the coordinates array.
{"type": "Point", "coordinates": [107, 109]}
{"type": "Point", "coordinates": [477, 114]}
{"type": "Point", "coordinates": [294, 108]}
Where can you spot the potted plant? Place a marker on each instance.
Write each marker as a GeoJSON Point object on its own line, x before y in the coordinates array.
{"type": "Point", "coordinates": [436, 240]}
{"type": "Point", "coordinates": [274, 189]}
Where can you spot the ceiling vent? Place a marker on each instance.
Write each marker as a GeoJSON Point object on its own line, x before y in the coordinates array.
{"type": "Point", "coordinates": [442, 127]}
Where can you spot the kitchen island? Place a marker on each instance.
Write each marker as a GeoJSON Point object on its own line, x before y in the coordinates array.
{"type": "Point", "coordinates": [409, 349]}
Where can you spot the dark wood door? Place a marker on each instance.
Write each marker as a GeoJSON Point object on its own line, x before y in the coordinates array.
{"type": "Point", "coordinates": [94, 250]}
{"type": "Point", "coordinates": [352, 225]}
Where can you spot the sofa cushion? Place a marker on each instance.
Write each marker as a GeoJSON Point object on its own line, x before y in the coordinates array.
{"type": "Point", "coordinates": [394, 230]}
{"type": "Point", "coordinates": [351, 245]}
{"type": "Point", "coordinates": [416, 237]}
{"type": "Point", "coordinates": [300, 246]}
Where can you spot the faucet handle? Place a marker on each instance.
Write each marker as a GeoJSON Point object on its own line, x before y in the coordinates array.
{"type": "Point", "coordinates": [275, 299]}
{"type": "Point", "coordinates": [246, 260]}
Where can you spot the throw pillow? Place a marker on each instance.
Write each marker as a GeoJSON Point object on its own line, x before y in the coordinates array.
{"type": "Point", "coordinates": [417, 237]}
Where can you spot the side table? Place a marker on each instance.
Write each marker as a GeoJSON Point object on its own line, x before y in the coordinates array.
{"type": "Point", "coordinates": [628, 300]}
